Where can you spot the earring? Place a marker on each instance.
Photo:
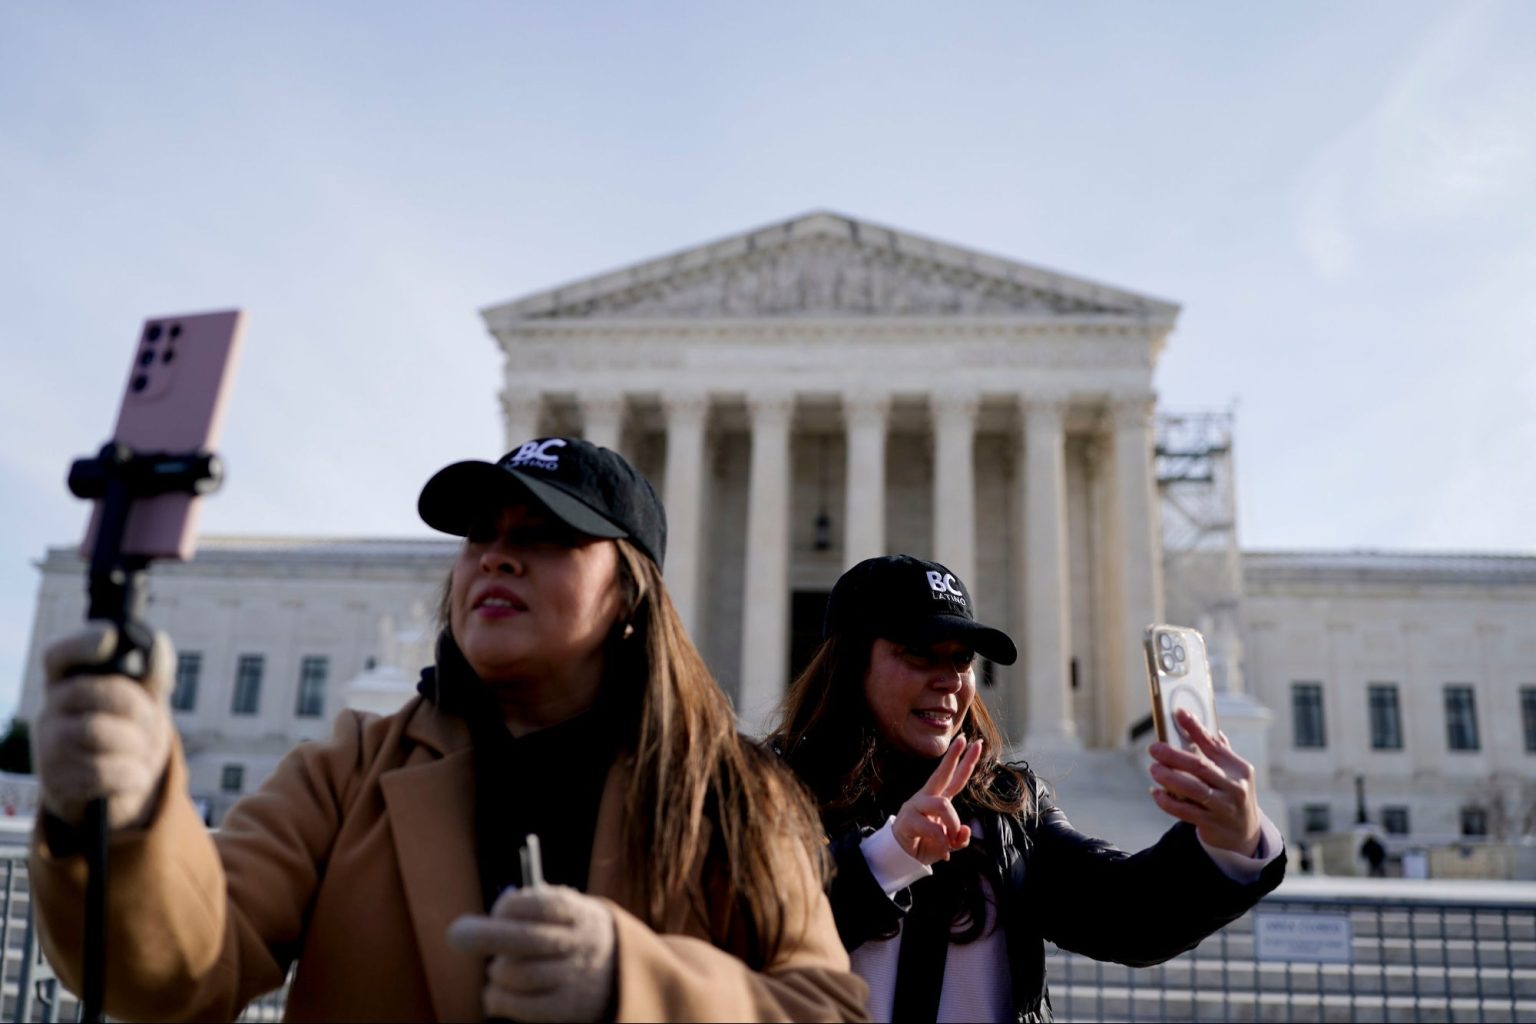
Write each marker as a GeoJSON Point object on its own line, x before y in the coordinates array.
{"type": "Point", "coordinates": [629, 631]}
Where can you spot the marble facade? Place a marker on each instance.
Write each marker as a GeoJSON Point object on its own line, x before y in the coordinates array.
{"type": "Point", "coordinates": [987, 414]}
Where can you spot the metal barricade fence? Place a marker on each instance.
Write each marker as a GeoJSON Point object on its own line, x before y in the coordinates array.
{"type": "Point", "coordinates": [29, 990]}
{"type": "Point", "coordinates": [1333, 950]}
{"type": "Point", "coordinates": [1315, 950]}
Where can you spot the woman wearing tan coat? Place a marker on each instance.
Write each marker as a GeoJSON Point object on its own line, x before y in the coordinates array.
{"type": "Point", "coordinates": [566, 702]}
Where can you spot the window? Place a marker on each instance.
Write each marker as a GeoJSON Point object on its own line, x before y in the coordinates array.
{"type": "Point", "coordinates": [1528, 716]}
{"type": "Point", "coordinates": [232, 780]}
{"type": "Point", "coordinates": [189, 665]}
{"type": "Point", "coordinates": [1474, 821]}
{"type": "Point", "coordinates": [1307, 715]}
{"type": "Point", "coordinates": [311, 699]}
{"type": "Point", "coordinates": [1395, 820]}
{"type": "Point", "coordinates": [1386, 719]}
{"type": "Point", "coordinates": [1316, 818]}
{"type": "Point", "coordinates": [247, 697]}
{"type": "Point", "coordinates": [1461, 718]}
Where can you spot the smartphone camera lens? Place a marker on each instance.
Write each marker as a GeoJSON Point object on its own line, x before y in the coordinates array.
{"type": "Point", "coordinates": [153, 334]}
{"type": "Point", "coordinates": [1178, 652]}
{"type": "Point", "coordinates": [1166, 660]}
{"type": "Point", "coordinates": [169, 354]}
{"type": "Point", "coordinates": [146, 357]}
{"type": "Point", "coordinates": [140, 382]}
{"type": "Point", "coordinates": [1165, 641]}
{"type": "Point", "coordinates": [175, 330]}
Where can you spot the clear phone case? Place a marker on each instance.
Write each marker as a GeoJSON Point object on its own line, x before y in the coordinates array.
{"type": "Point", "coordinates": [1180, 677]}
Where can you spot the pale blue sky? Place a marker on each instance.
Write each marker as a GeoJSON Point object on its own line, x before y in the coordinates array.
{"type": "Point", "coordinates": [1342, 196]}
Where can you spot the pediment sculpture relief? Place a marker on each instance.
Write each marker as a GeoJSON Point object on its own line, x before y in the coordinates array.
{"type": "Point", "coordinates": [825, 277]}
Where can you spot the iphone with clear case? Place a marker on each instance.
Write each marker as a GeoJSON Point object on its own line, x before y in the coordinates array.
{"type": "Point", "coordinates": [1180, 677]}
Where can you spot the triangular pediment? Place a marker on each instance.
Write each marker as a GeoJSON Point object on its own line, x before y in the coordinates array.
{"type": "Point", "coordinates": [825, 264]}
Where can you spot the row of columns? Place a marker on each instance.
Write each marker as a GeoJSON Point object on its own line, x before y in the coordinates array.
{"type": "Point", "coordinates": [1043, 625]}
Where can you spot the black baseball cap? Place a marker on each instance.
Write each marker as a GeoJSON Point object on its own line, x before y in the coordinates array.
{"type": "Point", "coordinates": [590, 489]}
{"type": "Point", "coordinates": [912, 602]}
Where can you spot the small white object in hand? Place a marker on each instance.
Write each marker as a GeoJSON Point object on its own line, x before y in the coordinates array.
{"type": "Point", "coordinates": [532, 862]}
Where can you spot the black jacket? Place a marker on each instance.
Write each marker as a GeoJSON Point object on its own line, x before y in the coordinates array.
{"type": "Point", "coordinates": [1081, 893]}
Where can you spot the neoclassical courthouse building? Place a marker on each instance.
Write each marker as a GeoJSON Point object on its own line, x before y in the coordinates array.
{"type": "Point", "coordinates": [824, 389]}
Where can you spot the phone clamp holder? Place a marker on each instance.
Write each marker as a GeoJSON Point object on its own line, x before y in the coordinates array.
{"type": "Point", "coordinates": [117, 477]}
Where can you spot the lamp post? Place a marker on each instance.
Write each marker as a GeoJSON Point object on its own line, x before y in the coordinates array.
{"type": "Point", "coordinates": [822, 527]}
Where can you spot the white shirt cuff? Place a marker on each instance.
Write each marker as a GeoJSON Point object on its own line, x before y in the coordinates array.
{"type": "Point", "coordinates": [1246, 870]}
{"type": "Point", "coordinates": [894, 868]}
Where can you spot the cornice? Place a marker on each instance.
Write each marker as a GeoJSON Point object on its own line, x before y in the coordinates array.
{"type": "Point", "coordinates": [1281, 568]}
{"type": "Point", "coordinates": [285, 557]}
{"type": "Point", "coordinates": [841, 328]}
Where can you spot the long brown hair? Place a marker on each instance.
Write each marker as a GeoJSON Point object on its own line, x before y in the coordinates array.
{"type": "Point", "coordinates": [693, 774]}
{"type": "Point", "coordinates": [692, 766]}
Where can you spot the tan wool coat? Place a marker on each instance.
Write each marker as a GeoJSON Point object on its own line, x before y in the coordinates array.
{"type": "Point", "coordinates": [353, 859]}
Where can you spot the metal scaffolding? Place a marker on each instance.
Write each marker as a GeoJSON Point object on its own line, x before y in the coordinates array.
{"type": "Point", "coordinates": [1202, 564]}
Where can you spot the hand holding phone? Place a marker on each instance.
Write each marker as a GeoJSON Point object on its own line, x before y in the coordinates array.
{"type": "Point", "coordinates": [101, 736]}
{"type": "Point", "coordinates": [145, 482]}
{"type": "Point", "coordinates": [1205, 783]}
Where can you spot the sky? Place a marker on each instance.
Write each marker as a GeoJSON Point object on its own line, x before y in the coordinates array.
{"type": "Point", "coordinates": [1341, 196]}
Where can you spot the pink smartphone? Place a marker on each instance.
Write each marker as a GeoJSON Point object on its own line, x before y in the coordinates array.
{"type": "Point", "coordinates": [173, 403]}
{"type": "Point", "coordinates": [1180, 677]}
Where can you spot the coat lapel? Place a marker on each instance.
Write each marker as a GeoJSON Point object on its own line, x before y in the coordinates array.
{"type": "Point", "coordinates": [607, 874]}
{"type": "Point", "coordinates": [613, 876]}
{"type": "Point", "coordinates": [431, 814]}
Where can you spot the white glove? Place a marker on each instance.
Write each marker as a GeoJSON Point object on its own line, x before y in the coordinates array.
{"type": "Point", "coordinates": [103, 735]}
{"type": "Point", "coordinates": [551, 950]}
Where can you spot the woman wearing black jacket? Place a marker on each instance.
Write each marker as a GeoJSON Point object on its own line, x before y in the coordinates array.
{"type": "Point", "coordinates": [953, 867]}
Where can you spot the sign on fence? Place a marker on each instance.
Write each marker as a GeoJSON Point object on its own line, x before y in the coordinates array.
{"type": "Point", "coordinates": [1311, 938]}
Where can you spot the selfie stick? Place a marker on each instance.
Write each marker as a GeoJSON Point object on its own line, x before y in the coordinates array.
{"type": "Point", "coordinates": [117, 477]}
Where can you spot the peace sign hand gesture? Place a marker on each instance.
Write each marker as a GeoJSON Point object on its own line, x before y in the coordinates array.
{"type": "Point", "coordinates": [927, 827]}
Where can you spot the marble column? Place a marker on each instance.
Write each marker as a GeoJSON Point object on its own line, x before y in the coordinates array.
{"type": "Point", "coordinates": [684, 487]}
{"type": "Point", "coordinates": [602, 418]}
{"type": "Point", "coordinates": [1140, 575]}
{"type": "Point", "coordinates": [865, 416]}
{"type": "Point", "coordinates": [1047, 606]}
{"type": "Point", "coordinates": [765, 625]}
{"type": "Point", "coordinates": [954, 484]}
{"type": "Point", "coordinates": [520, 415]}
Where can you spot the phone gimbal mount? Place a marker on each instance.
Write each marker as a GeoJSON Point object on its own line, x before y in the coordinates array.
{"type": "Point", "coordinates": [118, 477]}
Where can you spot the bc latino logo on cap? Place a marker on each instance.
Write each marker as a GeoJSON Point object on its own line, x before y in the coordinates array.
{"type": "Point", "coordinates": [592, 490]}
{"type": "Point", "coordinates": [907, 600]}
{"type": "Point", "coordinates": [537, 454]}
